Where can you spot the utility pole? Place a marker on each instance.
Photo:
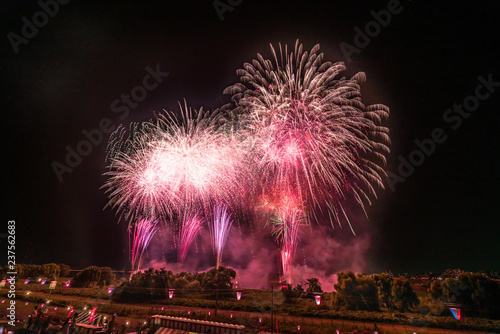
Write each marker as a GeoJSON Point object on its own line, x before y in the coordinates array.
{"type": "Point", "coordinates": [216, 291]}
{"type": "Point", "coordinates": [272, 309]}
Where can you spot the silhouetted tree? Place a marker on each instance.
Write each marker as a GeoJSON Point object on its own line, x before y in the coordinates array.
{"type": "Point", "coordinates": [313, 285]}
{"type": "Point", "coordinates": [65, 269]}
{"type": "Point", "coordinates": [51, 271]}
{"type": "Point", "coordinates": [383, 282]}
{"type": "Point", "coordinates": [403, 296]}
{"type": "Point", "coordinates": [356, 292]}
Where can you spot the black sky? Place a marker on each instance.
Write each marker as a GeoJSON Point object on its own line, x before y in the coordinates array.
{"type": "Point", "coordinates": [426, 59]}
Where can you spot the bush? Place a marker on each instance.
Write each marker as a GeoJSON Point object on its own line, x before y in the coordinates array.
{"type": "Point", "coordinates": [93, 276]}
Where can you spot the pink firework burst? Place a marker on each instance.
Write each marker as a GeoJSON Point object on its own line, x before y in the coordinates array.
{"type": "Point", "coordinates": [310, 133]}
{"type": "Point", "coordinates": [177, 163]}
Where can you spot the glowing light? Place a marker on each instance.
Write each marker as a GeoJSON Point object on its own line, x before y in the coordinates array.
{"type": "Point", "coordinates": [456, 313]}
{"type": "Point", "coordinates": [162, 308]}
{"type": "Point", "coordinates": [27, 304]}
{"type": "Point", "coordinates": [92, 314]}
{"type": "Point", "coordinates": [238, 295]}
{"type": "Point", "coordinates": [55, 308]}
{"type": "Point", "coordinates": [67, 284]}
{"type": "Point", "coordinates": [110, 290]}
{"type": "Point", "coordinates": [43, 281]}
{"type": "Point", "coordinates": [27, 281]}
{"type": "Point", "coordinates": [3, 301]}
{"type": "Point", "coordinates": [318, 300]}
{"type": "Point", "coordinates": [231, 315]}
{"type": "Point", "coordinates": [170, 294]}
{"type": "Point", "coordinates": [298, 328]}
{"type": "Point", "coordinates": [260, 319]}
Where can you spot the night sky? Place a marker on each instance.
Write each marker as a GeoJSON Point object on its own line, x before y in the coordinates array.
{"type": "Point", "coordinates": [427, 58]}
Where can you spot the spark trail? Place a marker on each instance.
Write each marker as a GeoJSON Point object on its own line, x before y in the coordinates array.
{"type": "Point", "coordinates": [140, 234]}
{"type": "Point", "coordinates": [190, 227]}
{"type": "Point", "coordinates": [220, 230]}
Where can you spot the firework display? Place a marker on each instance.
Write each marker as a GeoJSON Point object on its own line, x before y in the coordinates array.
{"type": "Point", "coordinates": [295, 145]}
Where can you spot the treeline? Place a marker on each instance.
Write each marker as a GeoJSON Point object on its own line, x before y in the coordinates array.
{"type": "Point", "coordinates": [371, 292]}
{"type": "Point", "coordinates": [87, 278]}
{"type": "Point", "coordinates": [362, 292]}
{"type": "Point", "coordinates": [155, 284]}
{"type": "Point", "coordinates": [474, 293]}
{"type": "Point", "coordinates": [93, 277]}
{"type": "Point", "coordinates": [51, 271]}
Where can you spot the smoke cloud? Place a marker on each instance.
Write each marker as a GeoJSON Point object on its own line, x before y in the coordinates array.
{"type": "Point", "coordinates": [253, 253]}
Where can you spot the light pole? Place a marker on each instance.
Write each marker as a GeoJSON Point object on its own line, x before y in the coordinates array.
{"type": "Point", "coordinates": [216, 291]}
{"type": "Point", "coordinates": [272, 309]}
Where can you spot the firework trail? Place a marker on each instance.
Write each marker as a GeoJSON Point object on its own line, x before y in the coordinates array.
{"type": "Point", "coordinates": [310, 133]}
{"type": "Point", "coordinates": [189, 229]}
{"type": "Point", "coordinates": [220, 230]}
{"type": "Point", "coordinates": [140, 235]}
{"type": "Point", "coordinates": [287, 217]}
